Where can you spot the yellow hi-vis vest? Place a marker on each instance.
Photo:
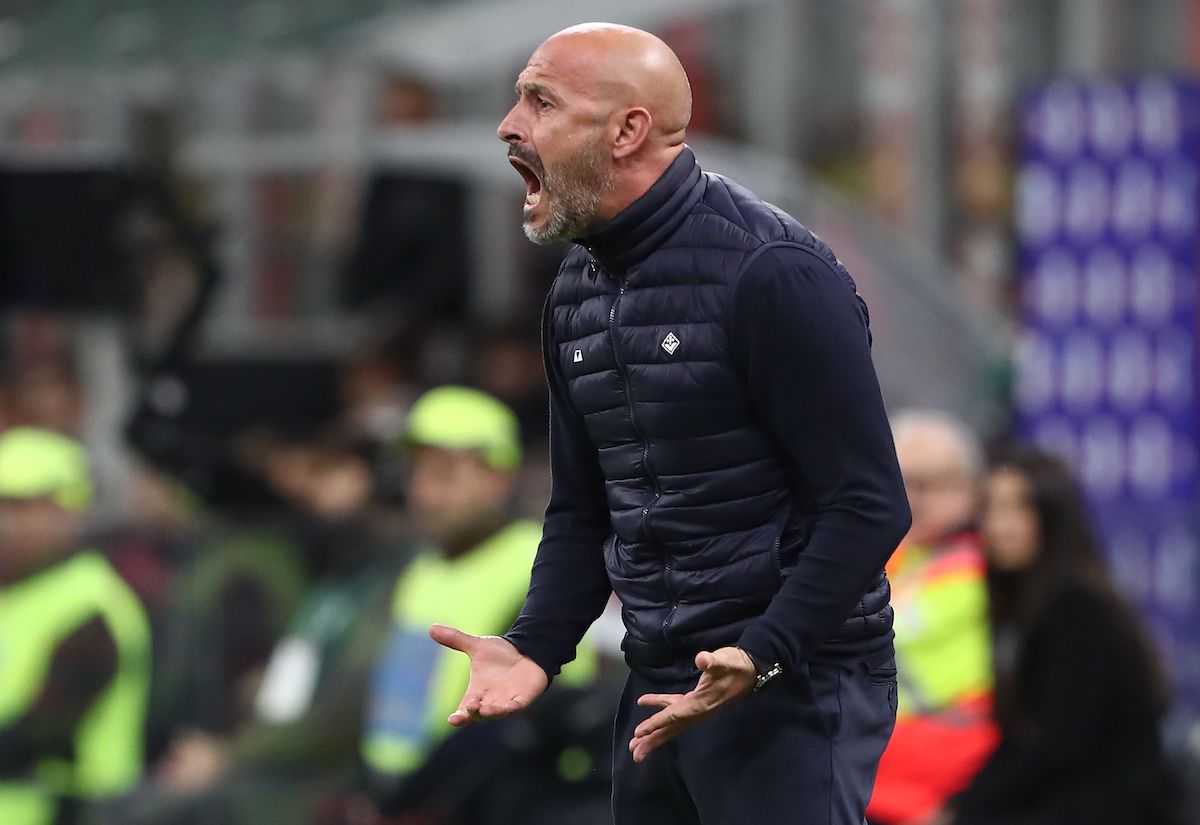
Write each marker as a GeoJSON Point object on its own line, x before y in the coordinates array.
{"type": "Point", "coordinates": [36, 615]}
{"type": "Point", "coordinates": [417, 682]}
{"type": "Point", "coordinates": [943, 639]}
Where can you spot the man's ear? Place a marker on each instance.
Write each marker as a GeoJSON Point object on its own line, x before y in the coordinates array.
{"type": "Point", "coordinates": [632, 130]}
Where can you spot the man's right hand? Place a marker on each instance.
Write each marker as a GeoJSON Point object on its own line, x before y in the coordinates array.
{"type": "Point", "coordinates": [502, 680]}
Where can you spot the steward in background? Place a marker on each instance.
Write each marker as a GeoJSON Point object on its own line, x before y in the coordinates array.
{"type": "Point", "coordinates": [473, 573]}
{"type": "Point", "coordinates": [944, 730]}
{"type": "Point", "coordinates": [74, 643]}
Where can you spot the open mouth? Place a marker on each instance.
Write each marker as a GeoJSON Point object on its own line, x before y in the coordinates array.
{"type": "Point", "coordinates": [533, 184]}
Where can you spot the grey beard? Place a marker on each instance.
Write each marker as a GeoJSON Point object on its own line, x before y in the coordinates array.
{"type": "Point", "coordinates": [576, 194]}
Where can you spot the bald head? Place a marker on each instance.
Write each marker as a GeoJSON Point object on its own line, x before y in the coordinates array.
{"type": "Point", "coordinates": [625, 68]}
{"type": "Point", "coordinates": [601, 113]}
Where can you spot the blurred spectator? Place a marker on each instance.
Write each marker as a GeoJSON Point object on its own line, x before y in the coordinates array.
{"type": "Point", "coordinates": [508, 364]}
{"type": "Point", "coordinates": [158, 525]}
{"type": "Point", "coordinates": [1079, 692]}
{"type": "Point", "coordinates": [233, 597]}
{"type": "Point", "coordinates": [47, 394]}
{"type": "Point", "coordinates": [405, 98]}
{"type": "Point", "coordinates": [297, 736]}
{"type": "Point", "coordinates": [465, 451]}
{"type": "Point", "coordinates": [75, 668]}
{"type": "Point", "coordinates": [412, 245]}
{"type": "Point", "coordinates": [943, 731]}
{"type": "Point", "coordinates": [411, 252]}
{"type": "Point", "coordinates": [377, 384]}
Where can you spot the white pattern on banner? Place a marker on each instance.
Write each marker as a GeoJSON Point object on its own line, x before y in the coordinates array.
{"type": "Point", "coordinates": [1108, 225]}
{"type": "Point", "coordinates": [1104, 286]}
{"type": "Point", "coordinates": [1087, 207]}
{"type": "Point", "coordinates": [1054, 287]}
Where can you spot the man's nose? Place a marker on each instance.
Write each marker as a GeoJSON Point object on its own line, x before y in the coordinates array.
{"type": "Point", "coordinates": [509, 130]}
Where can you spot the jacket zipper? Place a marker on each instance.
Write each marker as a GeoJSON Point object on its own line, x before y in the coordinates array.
{"type": "Point", "coordinates": [612, 325]}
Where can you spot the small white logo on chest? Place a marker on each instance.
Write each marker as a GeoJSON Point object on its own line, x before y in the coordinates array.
{"type": "Point", "coordinates": [578, 356]}
{"type": "Point", "coordinates": [671, 343]}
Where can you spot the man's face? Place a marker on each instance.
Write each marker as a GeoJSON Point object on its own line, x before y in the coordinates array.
{"type": "Point", "coordinates": [556, 141]}
{"type": "Point", "coordinates": [941, 492]}
{"type": "Point", "coordinates": [451, 493]}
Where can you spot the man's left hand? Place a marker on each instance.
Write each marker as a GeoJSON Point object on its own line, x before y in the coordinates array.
{"type": "Point", "coordinates": [725, 674]}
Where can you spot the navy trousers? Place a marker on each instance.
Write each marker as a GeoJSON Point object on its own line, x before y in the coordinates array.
{"type": "Point", "coordinates": [802, 751]}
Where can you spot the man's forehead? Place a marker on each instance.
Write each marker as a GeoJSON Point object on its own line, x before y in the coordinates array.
{"type": "Point", "coordinates": [556, 66]}
{"type": "Point", "coordinates": [557, 87]}
{"type": "Point", "coordinates": [540, 72]}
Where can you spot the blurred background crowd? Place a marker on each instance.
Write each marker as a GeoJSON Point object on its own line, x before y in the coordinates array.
{"type": "Point", "coordinates": [271, 394]}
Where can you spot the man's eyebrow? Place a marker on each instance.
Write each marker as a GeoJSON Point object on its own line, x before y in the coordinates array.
{"type": "Point", "coordinates": [533, 87]}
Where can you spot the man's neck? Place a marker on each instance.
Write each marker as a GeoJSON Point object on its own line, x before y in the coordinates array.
{"type": "Point", "coordinates": [635, 182]}
{"type": "Point", "coordinates": [634, 232]}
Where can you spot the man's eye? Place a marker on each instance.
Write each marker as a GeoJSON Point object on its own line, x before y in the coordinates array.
{"type": "Point", "coordinates": [542, 103]}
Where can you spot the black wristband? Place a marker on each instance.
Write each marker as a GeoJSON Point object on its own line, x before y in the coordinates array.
{"type": "Point", "coordinates": [766, 671]}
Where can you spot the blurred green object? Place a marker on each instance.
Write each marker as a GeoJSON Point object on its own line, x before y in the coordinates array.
{"type": "Point", "coordinates": [460, 418]}
{"type": "Point", "coordinates": [574, 764]}
{"type": "Point", "coordinates": [38, 463]}
{"type": "Point", "coordinates": [37, 615]}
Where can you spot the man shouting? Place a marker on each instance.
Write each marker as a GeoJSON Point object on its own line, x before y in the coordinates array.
{"type": "Point", "coordinates": [721, 460]}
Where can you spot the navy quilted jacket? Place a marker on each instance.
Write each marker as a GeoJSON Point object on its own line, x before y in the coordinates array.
{"type": "Point", "coordinates": [720, 453]}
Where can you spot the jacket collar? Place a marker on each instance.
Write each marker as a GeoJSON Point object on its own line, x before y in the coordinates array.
{"type": "Point", "coordinates": [645, 224]}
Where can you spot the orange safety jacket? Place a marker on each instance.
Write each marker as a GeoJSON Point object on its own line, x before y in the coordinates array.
{"type": "Point", "coordinates": [944, 731]}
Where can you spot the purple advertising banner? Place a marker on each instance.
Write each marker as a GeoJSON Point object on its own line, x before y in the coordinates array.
{"type": "Point", "coordinates": [1108, 231]}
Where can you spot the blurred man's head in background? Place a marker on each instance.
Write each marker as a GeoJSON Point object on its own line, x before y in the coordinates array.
{"type": "Point", "coordinates": [405, 99]}
{"type": "Point", "coordinates": [326, 481]}
{"type": "Point", "coordinates": [44, 489]}
{"type": "Point", "coordinates": [465, 449]}
{"type": "Point", "coordinates": [48, 394]}
{"type": "Point", "coordinates": [941, 461]}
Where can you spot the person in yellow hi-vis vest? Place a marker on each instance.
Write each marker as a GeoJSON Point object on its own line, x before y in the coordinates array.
{"type": "Point", "coordinates": [943, 731]}
{"type": "Point", "coordinates": [74, 643]}
{"type": "Point", "coordinates": [465, 449]}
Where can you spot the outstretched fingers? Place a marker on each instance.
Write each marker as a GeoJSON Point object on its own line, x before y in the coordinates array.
{"type": "Point", "coordinates": [663, 726]}
{"type": "Point", "coordinates": [641, 747]}
{"type": "Point", "coordinates": [502, 680]}
{"type": "Point", "coordinates": [468, 710]}
{"type": "Point", "coordinates": [453, 638]}
{"type": "Point", "coordinates": [491, 709]}
{"type": "Point", "coordinates": [672, 715]}
{"type": "Point", "coordinates": [487, 705]}
{"type": "Point", "coordinates": [721, 681]}
{"type": "Point", "coordinates": [658, 700]}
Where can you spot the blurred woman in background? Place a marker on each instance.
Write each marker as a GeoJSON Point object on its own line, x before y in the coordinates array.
{"type": "Point", "coordinates": [1079, 693]}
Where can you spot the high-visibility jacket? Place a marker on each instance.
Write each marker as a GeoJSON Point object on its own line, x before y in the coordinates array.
{"type": "Point", "coordinates": [417, 682]}
{"type": "Point", "coordinates": [943, 731]}
{"type": "Point", "coordinates": [36, 615]}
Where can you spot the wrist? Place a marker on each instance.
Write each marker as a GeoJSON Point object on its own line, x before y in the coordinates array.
{"type": "Point", "coordinates": [765, 672]}
{"type": "Point", "coordinates": [538, 655]}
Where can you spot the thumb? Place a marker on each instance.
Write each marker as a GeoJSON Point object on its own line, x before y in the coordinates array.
{"type": "Point", "coordinates": [705, 660]}
{"type": "Point", "coordinates": [453, 638]}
